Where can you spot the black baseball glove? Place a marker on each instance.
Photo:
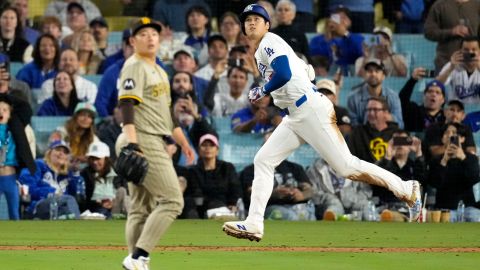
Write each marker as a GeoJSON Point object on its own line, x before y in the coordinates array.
{"type": "Point", "coordinates": [131, 164]}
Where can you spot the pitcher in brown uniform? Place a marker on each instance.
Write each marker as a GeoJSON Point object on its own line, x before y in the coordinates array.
{"type": "Point", "coordinates": [144, 96]}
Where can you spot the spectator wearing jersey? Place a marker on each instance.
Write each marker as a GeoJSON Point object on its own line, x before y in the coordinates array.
{"type": "Point", "coordinates": [86, 90]}
{"type": "Point", "coordinates": [373, 87]}
{"type": "Point", "coordinates": [369, 141]}
{"type": "Point", "coordinates": [462, 73]}
{"type": "Point", "coordinates": [330, 89]}
{"type": "Point", "coordinates": [46, 55]}
{"type": "Point", "coordinates": [381, 48]}
{"type": "Point", "coordinates": [227, 104]}
{"type": "Point", "coordinates": [338, 44]}
{"type": "Point", "coordinates": [447, 23]}
{"type": "Point", "coordinates": [258, 117]}
{"type": "Point", "coordinates": [64, 99]}
{"type": "Point", "coordinates": [418, 117]}
{"type": "Point", "coordinates": [285, 10]}
{"type": "Point", "coordinates": [454, 113]}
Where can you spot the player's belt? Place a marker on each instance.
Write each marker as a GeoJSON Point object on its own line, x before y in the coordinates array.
{"type": "Point", "coordinates": [298, 103]}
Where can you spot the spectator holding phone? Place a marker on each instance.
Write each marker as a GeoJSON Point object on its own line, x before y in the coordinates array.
{"type": "Point", "coordinates": [462, 73]}
{"type": "Point", "coordinates": [419, 117]}
{"type": "Point", "coordinates": [404, 158]}
{"type": "Point", "coordinates": [380, 47]}
{"type": "Point", "coordinates": [454, 173]}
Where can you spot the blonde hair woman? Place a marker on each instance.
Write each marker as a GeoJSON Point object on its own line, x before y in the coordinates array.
{"type": "Point", "coordinates": [88, 54]}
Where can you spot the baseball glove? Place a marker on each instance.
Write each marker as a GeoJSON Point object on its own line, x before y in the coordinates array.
{"type": "Point", "coordinates": [131, 164]}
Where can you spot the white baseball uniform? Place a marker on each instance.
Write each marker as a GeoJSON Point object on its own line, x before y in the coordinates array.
{"type": "Point", "coordinates": [311, 118]}
{"type": "Point", "coordinates": [462, 86]}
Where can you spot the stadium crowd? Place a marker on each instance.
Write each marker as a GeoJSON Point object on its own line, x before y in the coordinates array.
{"type": "Point", "coordinates": [211, 66]}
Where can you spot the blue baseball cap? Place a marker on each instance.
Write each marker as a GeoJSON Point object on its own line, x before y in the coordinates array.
{"type": "Point", "coordinates": [59, 143]}
{"type": "Point", "coordinates": [436, 83]}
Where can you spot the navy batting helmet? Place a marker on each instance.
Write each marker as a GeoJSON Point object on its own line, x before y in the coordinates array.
{"type": "Point", "coordinates": [253, 9]}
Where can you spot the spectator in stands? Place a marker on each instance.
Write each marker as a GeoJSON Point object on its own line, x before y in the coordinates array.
{"type": "Point", "coordinates": [404, 158]}
{"type": "Point", "coordinates": [77, 22]}
{"type": "Point", "coordinates": [230, 28]}
{"type": "Point", "coordinates": [217, 58]}
{"type": "Point", "coordinates": [198, 29]}
{"type": "Point", "coordinates": [406, 15]}
{"type": "Point", "coordinates": [183, 60]}
{"type": "Point", "coordinates": [338, 44]}
{"type": "Point", "coordinates": [86, 90]}
{"type": "Point", "coordinates": [447, 23]}
{"type": "Point", "coordinates": [454, 113]}
{"type": "Point", "coordinates": [334, 195]}
{"type": "Point", "coordinates": [105, 192]}
{"type": "Point", "coordinates": [29, 33]}
{"type": "Point", "coordinates": [472, 120]}
{"type": "Point", "coordinates": [170, 13]}
{"type": "Point", "coordinates": [109, 129]}
{"type": "Point", "coordinates": [227, 104]}
{"type": "Point", "coordinates": [182, 87]}
{"type": "Point", "coordinates": [11, 85]}
{"type": "Point", "coordinates": [453, 174]}
{"type": "Point", "coordinates": [291, 191]}
{"type": "Point", "coordinates": [373, 87]}
{"type": "Point", "coordinates": [381, 48]}
{"type": "Point", "coordinates": [258, 117]}
{"type": "Point", "coordinates": [64, 99]}
{"type": "Point", "coordinates": [8, 161]}
{"type": "Point", "coordinates": [119, 54]}
{"type": "Point", "coordinates": [46, 55]}
{"type": "Point", "coordinates": [52, 176]}
{"type": "Point", "coordinates": [107, 96]}
{"type": "Point", "coordinates": [61, 8]}
{"type": "Point", "coordinates": [361, 13]}
{"type": "Point", "coordinates": [330, 89]}
{"type": "Point", "coordinates": [185, 112]}
{"type": "Point", "coordinates": [462, 73]}
{"type": "Point", "coordinates": [88, 54]}
{"type": "Point", "coordinates": [99, 29]}
{"type": "Point", "coordinates": [52, 25]}
{"type": "Point", "coordinates": [419, 117]}
{"type": "Point", "coordinates": [369, 141]}
{"type": "Point", "coordinates": [320, 65]}
{"type": "Point", "coordinates": [79, 132]}
{"type": "Point", "coordinates": [11, 41]}
{"type": "Point", "coordinates": [285, 11]}
{"type": "Point", "coordinates": [216, 179]}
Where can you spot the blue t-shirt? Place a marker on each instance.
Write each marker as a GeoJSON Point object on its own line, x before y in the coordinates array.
{"type": "Point", "coordinates": [34, 76]}
{"type": "Point", "coordinates": [245, 115]}
{"type": "Point", "coordinates": [349, 48]}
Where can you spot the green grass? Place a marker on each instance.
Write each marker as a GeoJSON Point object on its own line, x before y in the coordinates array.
{"type": "Point", "coordinates": [208, 233]}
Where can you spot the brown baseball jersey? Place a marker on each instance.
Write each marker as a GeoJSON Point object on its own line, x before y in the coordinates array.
{"type": "Point", "coordinates": [147, 84]}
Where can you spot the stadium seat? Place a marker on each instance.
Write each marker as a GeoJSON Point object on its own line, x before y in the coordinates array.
{"type": "Point", "coordinates": [43, 126]}
{"type": "Point", "coordinates": [239, 149]}
{"type": "Point", "coordinates": [222, 125]}
{"type": "Point", "coordinates": [14, 68]}
{"type": "Point", "coordinates": [94, 78]}
{"type": "Point", "coordinates": [421, 49]}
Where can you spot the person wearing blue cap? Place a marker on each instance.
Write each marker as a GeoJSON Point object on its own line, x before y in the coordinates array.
{"type": "Point", "coordinates": [418, 117]}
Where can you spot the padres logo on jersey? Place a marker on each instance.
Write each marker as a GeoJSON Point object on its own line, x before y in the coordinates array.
{"type": "Point", "coordinates": [378, 147]}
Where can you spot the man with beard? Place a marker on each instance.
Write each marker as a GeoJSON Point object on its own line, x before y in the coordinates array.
{"type": "Point", "coordinates": [357, 100]}
{"type": "Point", "coordinates": [185, 112]}
{"type": "Point", "coordinates": [419, 117]}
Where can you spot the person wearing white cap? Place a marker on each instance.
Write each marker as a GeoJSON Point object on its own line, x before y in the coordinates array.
{"type": "Point", "coordinates": [380, 46]}
{"type": "Point", "coordinates": [329, 89]}
{"type": "Point", "coordinates": [105, 192]}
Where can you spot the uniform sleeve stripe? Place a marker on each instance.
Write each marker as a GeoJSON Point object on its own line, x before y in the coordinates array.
{"type": "Point", "coordinates": [132, 97]}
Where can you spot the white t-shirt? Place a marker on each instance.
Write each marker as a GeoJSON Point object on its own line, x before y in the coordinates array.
{"type": "Point", "coordinates": [86, 90]}
{"type": "Point", "coordinates": [461, 86]}
{"type": "Point", "coordinates": [226, 105]}
{"type": "Point", "coordinates": [271, 47]}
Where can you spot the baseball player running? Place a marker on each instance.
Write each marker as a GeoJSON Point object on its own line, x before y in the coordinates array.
{"type": "Point", "coordinates": [310, 118]}
{"type": "Point", "coordinates": [144, 96]}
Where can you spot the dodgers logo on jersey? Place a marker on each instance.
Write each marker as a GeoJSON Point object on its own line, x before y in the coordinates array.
{"type": "Point", "coordinates": [128, 84]}
{"type": "Point", "coordinates": [269, 51]}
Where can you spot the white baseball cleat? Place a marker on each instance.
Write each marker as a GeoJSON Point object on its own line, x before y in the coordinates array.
{"type": "Point", "coordinates": [142, 263]}
{"type": "Point", "coordinates": [243, 230]}
{"type": "Point", "coordinates": [415, 202]}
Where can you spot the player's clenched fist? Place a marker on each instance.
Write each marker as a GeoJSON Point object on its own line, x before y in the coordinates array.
{"type": "Point", "coordinates": [256, 93]}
